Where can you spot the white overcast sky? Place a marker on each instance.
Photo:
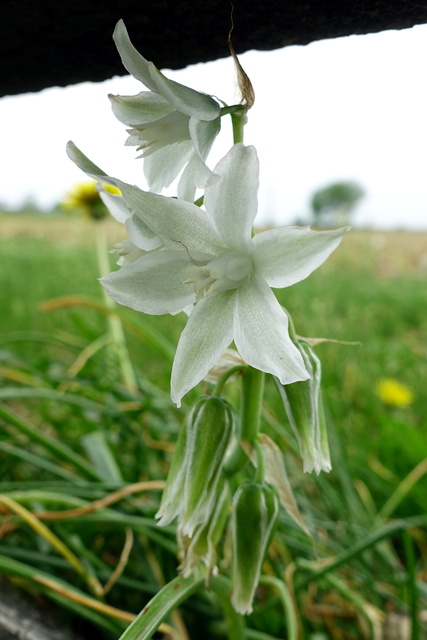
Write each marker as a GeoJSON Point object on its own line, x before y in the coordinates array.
{"type": "Point", "coordinates": [352, 108]}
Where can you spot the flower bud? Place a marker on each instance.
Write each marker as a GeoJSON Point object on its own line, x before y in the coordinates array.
{"type": "Point", "coordinates": [202, 545]}
{"type": "Point", "coordinates": [303, 406]}
{"type": "Point", "coordinates": [191, 488]}
{"type": "Point", "coordinates": [171, 503]}
{"type": "Point", "coordinates": [255, 512]}
{"type": "Point", "coordinates": [209, 434]}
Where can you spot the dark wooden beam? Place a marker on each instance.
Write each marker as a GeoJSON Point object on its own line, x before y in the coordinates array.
{"type": "Point", "coordinates": [52, 43]}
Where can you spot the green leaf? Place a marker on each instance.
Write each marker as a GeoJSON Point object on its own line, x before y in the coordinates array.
{"type": "Point", "coordinates": [52, 444]}
{"type": "Point", "coordinates": [98, 450]}
{"type": "Point", "coordinates": [159, 607]}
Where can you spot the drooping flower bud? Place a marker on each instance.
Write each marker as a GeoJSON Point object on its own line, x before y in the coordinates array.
{"type": "Point", "coordinates": [254, 515]}
{"type": "Point", "coordinates": [191, 488]}
{"type": "Point", "coordinates": [202, 545]}
{"type": "Point", "coordinates": [304, 408]}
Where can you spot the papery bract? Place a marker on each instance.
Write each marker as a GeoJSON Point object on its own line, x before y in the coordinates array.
{"type": "Point", "coordinates": [210, 258]}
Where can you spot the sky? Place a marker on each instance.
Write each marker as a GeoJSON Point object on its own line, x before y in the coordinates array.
{"type": "Point", "coordinates": [352, 108]}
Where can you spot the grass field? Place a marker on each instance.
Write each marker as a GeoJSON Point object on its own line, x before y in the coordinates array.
{"type": "Point", "coordinates": [60, 379]}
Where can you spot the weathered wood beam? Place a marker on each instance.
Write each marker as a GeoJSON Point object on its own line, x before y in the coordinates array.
{"type": "Point", "coordinates": [49, 43]}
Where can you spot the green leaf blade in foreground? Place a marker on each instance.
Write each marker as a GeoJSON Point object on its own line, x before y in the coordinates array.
{"type": "Point", "coordinates": [159, 607]}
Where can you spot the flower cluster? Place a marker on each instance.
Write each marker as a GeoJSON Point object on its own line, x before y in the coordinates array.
{"type": "Point", "coordinates": [206, 261]}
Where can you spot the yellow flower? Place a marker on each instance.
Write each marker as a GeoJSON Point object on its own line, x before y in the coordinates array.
{"type": "Point", "coordinates": [84, 197]}
{"type": "Point", "coordinates": [394, 393]}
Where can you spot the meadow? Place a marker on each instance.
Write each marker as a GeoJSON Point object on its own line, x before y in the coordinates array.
{"type": "Point", "coordinates": [85, 443]}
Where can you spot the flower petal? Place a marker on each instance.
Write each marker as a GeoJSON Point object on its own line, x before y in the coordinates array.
{"type": "Point", "coordinates": [132, 60]}
{"type": "Point", "coordinates": [162, 167]}
{"type": "Point", "coordinates": [152, 284]}
{"type": "Point", "coordinates": [195, 174]}
{"type": "Point", "coordinates": [208, 333]}
{"type": "Point", "coordinates": [184, 99]}
{"type": "Point", "coordinates": [203, 134]}
{"type": "Point", "coordinates": [261, 333]}
{"type": "Point", "coordinates": [232, 199]}
{"type": "Point", "coordinates": [87, 165]}
{"type": "Point", "coordinates": [187, 185]}
{"type": "Point", "coordinates": [140, 109]}
{"type": "Point", "coordinates": [288, 255]}
{"type": "Point", "coordinates": [141, 235]}
{"type": "Point", "coordinates": [180, 222]}
{"type": "Point", "coordinates": [115, 205]}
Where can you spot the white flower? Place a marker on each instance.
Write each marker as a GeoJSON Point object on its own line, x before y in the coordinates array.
{"type": "Point", "coordinates": [171, 124]}
{"type": "Point", "coordinates": [210, 258]}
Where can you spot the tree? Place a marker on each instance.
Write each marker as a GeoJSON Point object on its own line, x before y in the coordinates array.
{"type": "Point", "coordinates": [333, 205]}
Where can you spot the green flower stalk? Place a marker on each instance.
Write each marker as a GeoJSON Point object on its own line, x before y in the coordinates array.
{"type": "Point", "coordinates": [304, 408]}
{"type": "Point", "coordinates": [192, 485]}
{"type": "Point", "coordinates": [254, 516]}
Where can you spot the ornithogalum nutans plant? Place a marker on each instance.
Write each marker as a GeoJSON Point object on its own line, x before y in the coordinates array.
{"type": "Point", "coordinates": [227, 481]}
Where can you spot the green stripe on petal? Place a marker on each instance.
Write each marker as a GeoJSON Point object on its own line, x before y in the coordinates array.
{"type": "Point", "coordinates": [184, 99]}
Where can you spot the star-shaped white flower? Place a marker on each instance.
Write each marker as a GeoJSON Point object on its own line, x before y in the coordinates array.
{"type": "Point", "coordinates": [210, 259]}
{"type": "Point", "coordinates": [171, 124]}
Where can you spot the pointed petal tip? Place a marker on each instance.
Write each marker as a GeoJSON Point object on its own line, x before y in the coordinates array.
{"type": "Point", "coordinates": [176, 397]}
{"type": "Point", "coordinates": [120, 27]}
{"type": "Point", "coordinates": [70, 148]}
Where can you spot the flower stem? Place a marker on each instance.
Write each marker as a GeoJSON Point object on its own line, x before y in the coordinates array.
{"type": "Point", "coordinates": [115, 325]}
{"type": "Point", "coordinates": [251, 404]}
{"type": "Point", "coordinates": [260, 470]}
{"type": "Point", "coordinates": [239, 368]}
{"type": "Point", "coordinates": [288, 605]}
{"type": "Point", "coordinates": [235, 623]}
{"type": "Point", "coordinates": [238, 119]}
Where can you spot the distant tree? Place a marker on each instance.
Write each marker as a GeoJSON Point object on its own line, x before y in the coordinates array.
{"type": "Point", "coordinates": [333, 205]}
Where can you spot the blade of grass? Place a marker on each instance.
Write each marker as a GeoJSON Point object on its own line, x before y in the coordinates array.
{"type": "Point", "coordinates": [39, 559]}
{"type": "Point", "coordinates": [61, 450]}
{"type": "Point", "coordinates": [99, 452]}
{"type": "Point", "coordinates": [372, 615]}
{"type": "Point", "coordinates": [146, 526]}
{"type": "Point", "coordinates": [37, 577]}
{"type": "Point", "coordinates": [287, 603]}
{"type": "Point", "coordinates": [54, 541]}
{"type": "Point", "coordinates": [412, 584]}
{"type": "Point", "coordinates": [159, 607]}
{"type": "Point", "coordinates": [39, 461]}
{"type": "Point", "coordinates": [364, 544]}
{"type": "Point", "coordinates": [142, 329]}
{"type": "Point", "coordinates": [15, 393]}
{"type": "Point", "coordinates": [84, 507]}
{"type": "Point", "coordinates": [403, 489]}
{"type": "Point", "coordinates": [21, 377]}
